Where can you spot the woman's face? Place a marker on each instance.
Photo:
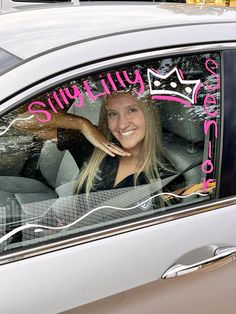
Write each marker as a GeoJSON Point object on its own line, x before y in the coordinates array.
{"type": "Point", "coordinates": [126, 121]}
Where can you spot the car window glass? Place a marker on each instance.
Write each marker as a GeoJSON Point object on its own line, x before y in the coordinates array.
{"type": "Point", "coordinates": [164, 112]}
{"type": "Point", "coordinates": [7, 60]}
{"type": "Point", "coordinates": [228, 170]}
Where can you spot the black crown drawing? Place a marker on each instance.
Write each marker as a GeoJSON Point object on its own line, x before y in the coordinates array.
{"type": "Point", "coordinates": [173, 87]}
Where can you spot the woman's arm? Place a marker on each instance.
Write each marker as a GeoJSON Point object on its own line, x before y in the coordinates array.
{"type": "Point", "coordinates": [64, 120]}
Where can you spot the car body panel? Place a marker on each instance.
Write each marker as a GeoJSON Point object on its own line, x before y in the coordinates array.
{"type": "Point", "coordinates": [188, 295]}
{"type": "Point", "coordinates": [44, 29]}
{"type": "Point", "coordinates": [54, 62]}
{"type": "Point", "coordinates": [92, 271]}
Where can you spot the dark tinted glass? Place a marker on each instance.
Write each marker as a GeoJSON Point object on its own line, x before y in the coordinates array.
{"type": "Point", "coordinates": [228, 171]}
{"type": "Point", "coordinates": [7, 60]}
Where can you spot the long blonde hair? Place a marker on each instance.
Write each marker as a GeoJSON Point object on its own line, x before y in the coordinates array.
{"type": "Point", "coordinates": [150, 158]}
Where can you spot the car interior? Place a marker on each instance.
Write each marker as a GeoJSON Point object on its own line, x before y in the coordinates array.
{"type": "Point", "coordinates": [37, 180]}
{"type": "Point", "coordinates": [50, 200]}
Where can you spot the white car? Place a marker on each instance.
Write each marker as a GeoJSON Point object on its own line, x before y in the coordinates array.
{"type": "Point", "coordinates": [130, 249]}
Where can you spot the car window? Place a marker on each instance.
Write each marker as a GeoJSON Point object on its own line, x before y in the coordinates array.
{"type": "Point", "coordinates": [110, 148]}
{"type": "Point", "coordinates": [7, 60]}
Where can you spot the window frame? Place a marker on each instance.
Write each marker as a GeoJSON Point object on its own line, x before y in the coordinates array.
{"type": "Point", "coordinates": [187, 210]}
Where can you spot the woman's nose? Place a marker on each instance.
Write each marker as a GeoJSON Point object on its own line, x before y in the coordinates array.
{"type": "Point", "coordinates": [123, 122]}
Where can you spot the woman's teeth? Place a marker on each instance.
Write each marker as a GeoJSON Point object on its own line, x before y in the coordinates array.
{"type": "Point", "coordinates": [127, 133]}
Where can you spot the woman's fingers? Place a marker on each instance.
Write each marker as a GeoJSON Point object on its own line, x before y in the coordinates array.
{"type": "Point", "coordinates": [167, 197]}
{"type": "Point", "coordinates": [106, 150]}
{"type": "Point", "coordinates": [98, 140]}
{"type": "Point", "coordinates": [112, 150]}
{"type": "Point", "coordinates": [116, 150]}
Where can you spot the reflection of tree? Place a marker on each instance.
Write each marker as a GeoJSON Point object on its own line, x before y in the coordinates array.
{"type": "Point", "coordinates": [198, 9]}
{"type": "Point", "coordinates": [191, 66]}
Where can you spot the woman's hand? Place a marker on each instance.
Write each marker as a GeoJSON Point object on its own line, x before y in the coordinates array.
{"type": "Point", "coordinates": [195, 188]}
{"type": "Point", "coordinates": [95, 137]}
{"type": "Point", "coordinates": [199, 188]}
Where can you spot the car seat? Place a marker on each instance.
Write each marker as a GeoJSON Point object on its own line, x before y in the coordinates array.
{"type": "Point", "coordinates": [57, 167]}
{"type": "Point", "coordinates": [183, 136]}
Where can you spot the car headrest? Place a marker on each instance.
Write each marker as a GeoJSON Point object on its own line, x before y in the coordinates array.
{"type": "Point", "coordinates": [183, 121]}
{"type": "Point", "coordinates": [90, 109]}
{"type": "Point", "coordinates": [57, 170]}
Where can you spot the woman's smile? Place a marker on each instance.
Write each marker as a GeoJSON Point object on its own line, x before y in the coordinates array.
{"type": "Point", "coordinates": [127, 133]}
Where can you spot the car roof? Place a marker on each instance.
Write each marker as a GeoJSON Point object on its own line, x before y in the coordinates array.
{"type": "Point", "coordinates": [26, 33]}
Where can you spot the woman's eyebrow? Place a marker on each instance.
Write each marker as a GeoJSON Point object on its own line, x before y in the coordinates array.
{"type": "Point", "coordinates": [132, 105]}
{"type": "Point", "coordinates": [113, 110]}
{"type": "Point", "coordinates": [125, 107]}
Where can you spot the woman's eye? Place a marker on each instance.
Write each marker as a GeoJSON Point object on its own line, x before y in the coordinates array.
{"type": "Point", "coordinates": [112, 114]}
{"type": "Point", "coordinates": [131, 110]}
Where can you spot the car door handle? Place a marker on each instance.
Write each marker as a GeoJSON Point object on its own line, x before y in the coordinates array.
{"type": "Point", "coordinates": [222, 256]}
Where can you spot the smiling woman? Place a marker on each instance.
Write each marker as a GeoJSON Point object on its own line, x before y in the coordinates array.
{"type": "Point", "coordinates": [134, 126]}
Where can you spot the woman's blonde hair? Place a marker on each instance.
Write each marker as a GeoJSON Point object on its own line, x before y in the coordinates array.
{"type": "Point", "coordinates": [150, 158]}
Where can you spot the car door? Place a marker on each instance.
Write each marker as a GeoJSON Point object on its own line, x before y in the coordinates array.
{"type": "Point", "coordinates": [121, 252]}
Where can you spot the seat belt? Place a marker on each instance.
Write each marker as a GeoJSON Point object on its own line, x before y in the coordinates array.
{"type": "Point", "coordinates": [128, 196]}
